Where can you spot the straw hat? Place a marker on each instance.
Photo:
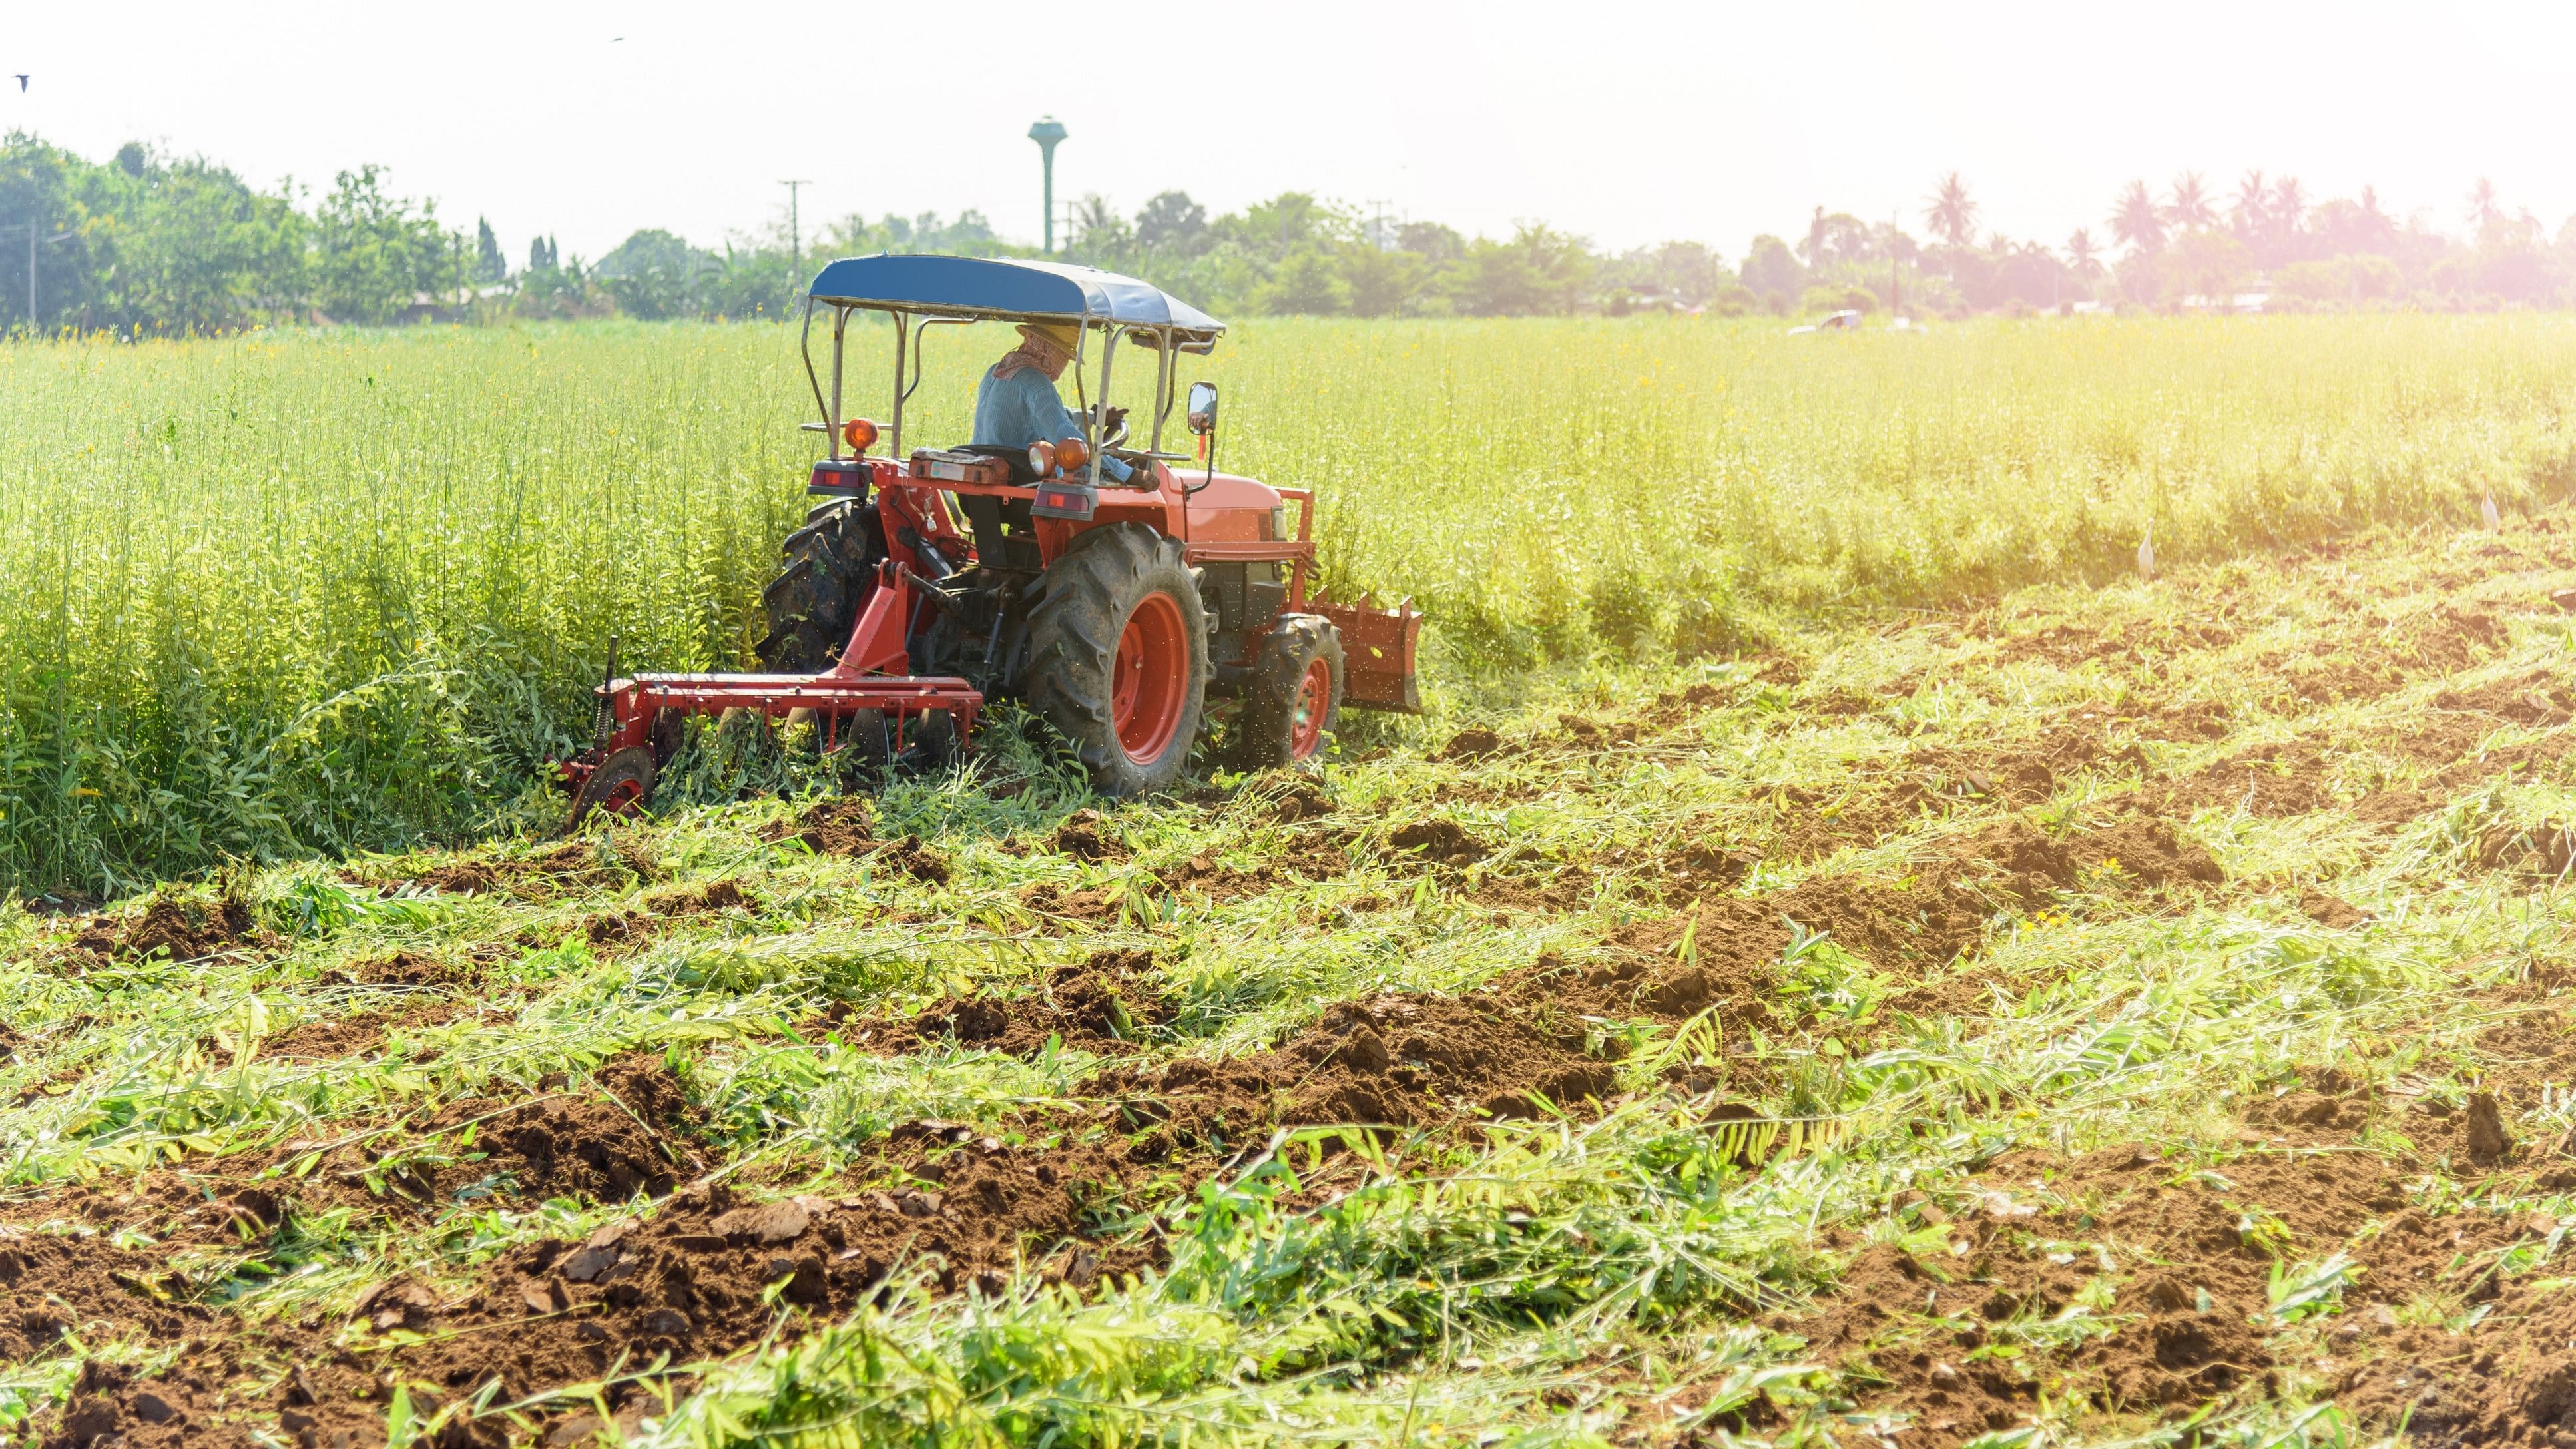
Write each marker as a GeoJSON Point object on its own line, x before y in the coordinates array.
{"type": "Point", "coordinates": [1062, 336]}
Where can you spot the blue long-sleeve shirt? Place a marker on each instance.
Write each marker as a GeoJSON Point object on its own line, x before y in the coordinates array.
{"type": "Point", "coordinates": [1023, 409]}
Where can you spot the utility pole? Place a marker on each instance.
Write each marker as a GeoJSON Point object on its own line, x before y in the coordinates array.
{"type": "Point", "coordinates": [1895, 273]}
{"type": "Point", "coordinates": [795, 240]}
{"type": "Point", "coordinates": [32, 238]}
{"type": "Point", "coordinates": [1047, 132]}
{"type": "Point", "coordinates": [1379, 236]}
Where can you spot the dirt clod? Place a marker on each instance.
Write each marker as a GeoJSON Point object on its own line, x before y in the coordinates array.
{"type": "Point", "coordinates": [1445, 841]}
{"type": "Point", "coordinates": [1085, 835]}
{"type": "Point", "coordinates": [833, 827]}
{"type": "Point", "coordinates": [2332, 912]}
{"type": "Point", "coordinates": [2488, 1141]}
{"type": "Point", "coordinates": [1470, 745]}
{"type": "Point", "coordinates": [916, 860]}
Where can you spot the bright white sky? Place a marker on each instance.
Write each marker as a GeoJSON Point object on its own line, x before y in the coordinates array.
{"type": "Point", "coordinates": [1629, 123]}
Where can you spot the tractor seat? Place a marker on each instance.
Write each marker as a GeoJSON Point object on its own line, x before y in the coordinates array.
{"type": "Point", "coordinates": [1022, 475]}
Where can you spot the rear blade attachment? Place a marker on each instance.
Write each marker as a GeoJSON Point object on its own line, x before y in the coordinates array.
{"type": "Point", "coordinates": [1380, 644]}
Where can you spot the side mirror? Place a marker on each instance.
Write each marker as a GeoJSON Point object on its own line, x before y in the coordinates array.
{"type": "Point", "coordinates": [1202, 408]}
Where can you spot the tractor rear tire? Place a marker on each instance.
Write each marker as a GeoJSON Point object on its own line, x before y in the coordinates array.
{"type": "Point", "coordinates": [813, 604]}
{"type": "Point", "coordinates": [1294, 698]}
{"type": "Point", "coordinates": [1118, 658]}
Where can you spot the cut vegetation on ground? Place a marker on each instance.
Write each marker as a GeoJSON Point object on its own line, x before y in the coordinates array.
{"type": "Point", "coordinates": [2123, 1017]}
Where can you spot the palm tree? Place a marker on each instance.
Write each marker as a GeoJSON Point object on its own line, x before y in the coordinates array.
{"type": "Point", "coordinates": [1952, 215]}
{"type": "Point", "coordinates": [2484, 213]}
{"type": "Point", "coordinates": [2253, 203]}
{"type": "Point", "coordinates": [2190, 208]}
{"type": "Point", "coordinates": [2082, 255]}
{"type": "Point", "coordinates": [2135, 222]}
{"type": "Point", "coordinates": [2289, 203]}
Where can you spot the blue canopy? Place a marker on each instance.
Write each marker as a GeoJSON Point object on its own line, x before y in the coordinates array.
{"type": "Point", "coordinates": [1012, 290]}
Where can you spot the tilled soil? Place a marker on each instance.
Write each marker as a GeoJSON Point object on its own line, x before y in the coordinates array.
{"type": "Point", "coordinates": [2134, 1281]}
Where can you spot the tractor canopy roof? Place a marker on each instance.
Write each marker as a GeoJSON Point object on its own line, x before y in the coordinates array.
{"type": "Point", "coordinates": [1010, 289]}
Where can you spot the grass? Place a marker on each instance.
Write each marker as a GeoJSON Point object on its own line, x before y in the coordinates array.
{"type": "Point", "coordinates": [283, 594]}
{"type": "Point", "coordinates": [1992, 1161]}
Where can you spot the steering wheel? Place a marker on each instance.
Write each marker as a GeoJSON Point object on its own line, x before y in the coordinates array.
{"type": "Point", "coordinates": [1113, 427]}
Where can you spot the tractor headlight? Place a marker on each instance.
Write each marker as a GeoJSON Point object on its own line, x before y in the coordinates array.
{"type": "Point", "coordinates": [1042, 458]}
{"type": "Point", "coordinates": [1072, 453]}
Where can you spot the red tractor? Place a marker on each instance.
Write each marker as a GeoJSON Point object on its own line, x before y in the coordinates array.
{"type": "Point", "coordinates": [931, 582]}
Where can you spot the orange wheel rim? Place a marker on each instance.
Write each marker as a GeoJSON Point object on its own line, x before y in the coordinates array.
{"type": "Point", "coordinates": [1149, 679]}
{"type": "Point", "coordinates": [1314, 700]}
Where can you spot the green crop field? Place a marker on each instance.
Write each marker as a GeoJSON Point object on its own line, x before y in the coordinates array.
{"type": "Point", "coordinates": [287, 593]}
{"type": "Point", "coordinates": [1845, 961]}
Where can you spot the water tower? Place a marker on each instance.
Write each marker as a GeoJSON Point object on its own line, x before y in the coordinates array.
{"type": "Point", "coordinates": [1046, 133]}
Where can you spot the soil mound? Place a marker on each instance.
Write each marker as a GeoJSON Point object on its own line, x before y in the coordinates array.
{"type": "Point", "coordinates": [1090, 903]}
{"type": "Point", "coordinates": [1909, 924]}
{"type": "Point", "coordinates": [604, 862]}
{"type": "Point", "coordinates": [1392, 1061]}
{"type": "Point", "coordinates": [695, 1280]}
{"type": "Point", "coordinates": [2274, 780]}
{"type": "Point", "coordinates": [2546, 850]}
{"type": "Point", "coordinates": [1733, 973]}
{"type": "Point", "coordinates": [1445, 841]}
{"type": "Point", "coordinates": [1104, 1004]}
{"type": "Point", "coordinates": [2133, 854]}
{"type": "Point", "coordinates": [355, 1034]}
{"type": "Point", "coordinates": [1085, 835]}
{"type": "Point", "coordinates": [834, 827]}
{"type": "Point", "coordinates": [1588, 734]}
{"type": "Point", "coordinates": [174, 927]}
{"type": "Point", "coordinates": [1291, 796]}
{"type": "Point", "coordinates": [408, 968]}
{"type": "Point", "coordinates": [2534, 699]}
{"type": "Point", "coordinates": [2188, 1292]}
{"type": "Point", "coordinates": [2018, 773]}
{"type": "Point", "coordinates": [1469, 745]}
{"type": "Point", "coordinates": [910, 857]}
{"type": "Point", "coordinates": [56, 1284]}
{"type": "Point", "coordinates": [583, 1146]}
{"type": "Point", "coordinates": [465, 878]}
{"type": "Point", "coordinates": [627, 1134]}
{"type": "Point", "coordinates": [107, 1408]}
{"type": "Point", "coordinates": [709, 899]}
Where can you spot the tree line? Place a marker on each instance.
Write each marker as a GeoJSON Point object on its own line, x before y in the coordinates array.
{"type": "Point", "coordinates": [147, 243]}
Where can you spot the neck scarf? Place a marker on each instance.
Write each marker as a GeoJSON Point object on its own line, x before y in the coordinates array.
{"type": "Point", "coordinates": [1017, 359]}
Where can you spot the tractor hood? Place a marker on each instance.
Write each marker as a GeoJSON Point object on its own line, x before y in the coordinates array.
{"type": "Point", "coordinates": [1010, 289]}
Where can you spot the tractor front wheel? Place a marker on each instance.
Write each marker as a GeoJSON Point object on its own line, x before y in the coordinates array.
{"type": "Point", "coordinates": [622, 785]}
{"type": "Point", "coordinates": [1118, 657]}
{"type": "Point", "coordinates": [1294, 698]}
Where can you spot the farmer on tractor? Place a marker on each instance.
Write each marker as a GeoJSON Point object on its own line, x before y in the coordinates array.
{"type": "Point", "coordinates": [1017, 406]}
{"type": "Point", "coordinates": [929, 582]}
